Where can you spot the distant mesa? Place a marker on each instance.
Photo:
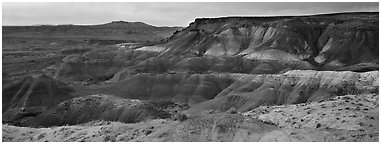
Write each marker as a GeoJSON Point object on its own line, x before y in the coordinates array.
{"type": "Point", "coordinates": [129, 24]}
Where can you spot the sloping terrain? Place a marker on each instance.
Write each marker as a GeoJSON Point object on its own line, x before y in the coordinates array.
{"type": "Point", "coordinates": [97, 107]}
{"type": "Point", "coordinates": [292, 87]}
{"type": "Point", "coordinates": [211, 128]}
{"type": "Point", "coordinates": [179, 88]}
{"type": "Point", "coordinates": [347, 112]}
{"type": "Point", "coordinates": [309, 122]}
{"type": "Point", "coordinates": [358, 113]}
{"type": "Point", "coordinates": [31, 96]}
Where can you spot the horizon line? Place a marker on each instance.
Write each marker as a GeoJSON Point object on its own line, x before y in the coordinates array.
{"type": "Point", "coordinates": [233, 16]}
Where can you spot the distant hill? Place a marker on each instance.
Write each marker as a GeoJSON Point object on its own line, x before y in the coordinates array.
{"type": "Point", "coordinates": [115, 31]}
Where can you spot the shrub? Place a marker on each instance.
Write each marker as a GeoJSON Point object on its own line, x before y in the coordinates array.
{"type": "Point", "coordinates": [232, 110]}
{"type": "Point", "coordinates": [318, 125]}
{"type": "Point", "coordinates": [180, 117]}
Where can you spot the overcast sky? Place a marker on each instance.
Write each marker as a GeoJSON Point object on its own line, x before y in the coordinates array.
{"type": "Point", "coordinates": [159, 14]}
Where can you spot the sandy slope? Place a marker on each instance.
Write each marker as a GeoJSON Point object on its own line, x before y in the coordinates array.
{"type": "Point", "coordinates": [203, 129]}
{"type": "Point", "coordinates": [354, 117]}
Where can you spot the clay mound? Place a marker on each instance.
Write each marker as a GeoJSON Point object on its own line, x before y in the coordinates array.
{"type": "Point", "coordinates": [97, 107]}
{"type": "Point", "coordinates": [178, 88]}
{"type": "Point", "coordinates": [293, 87]}
{"type": "Point", "coordinates": [31, 96]}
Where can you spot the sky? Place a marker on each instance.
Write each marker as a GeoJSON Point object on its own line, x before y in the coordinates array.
{"type": "Point", "coordinates": [162, 13]}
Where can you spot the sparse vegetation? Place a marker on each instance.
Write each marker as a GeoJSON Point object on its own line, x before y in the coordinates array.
{"type": "Point", "coordinates": [232, 110]}
{"type": "Point", "coordinates": [180, 117]}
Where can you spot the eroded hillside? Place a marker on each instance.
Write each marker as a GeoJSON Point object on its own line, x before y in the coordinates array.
{"type": "Point", "coordinates": [326, 41]}
{"type": "Point", "coordinates": [294, 78]}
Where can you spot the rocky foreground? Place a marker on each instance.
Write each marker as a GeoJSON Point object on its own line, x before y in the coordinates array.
{"type": "Point", "coordinates": [343, 118]}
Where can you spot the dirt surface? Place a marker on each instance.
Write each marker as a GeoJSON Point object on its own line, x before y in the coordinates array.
{"type": "Point", "coordinates": [225, 128]}
{"type": "Point", "coordinates": [219, 128]}
{"type": "Point", "coordinates": [250, 126]}
{"type": "Point", "coordinates": [349, 117]}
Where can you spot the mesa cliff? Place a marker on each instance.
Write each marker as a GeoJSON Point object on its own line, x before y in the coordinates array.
{"type": "Point", "coordinates": [327, 41]}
